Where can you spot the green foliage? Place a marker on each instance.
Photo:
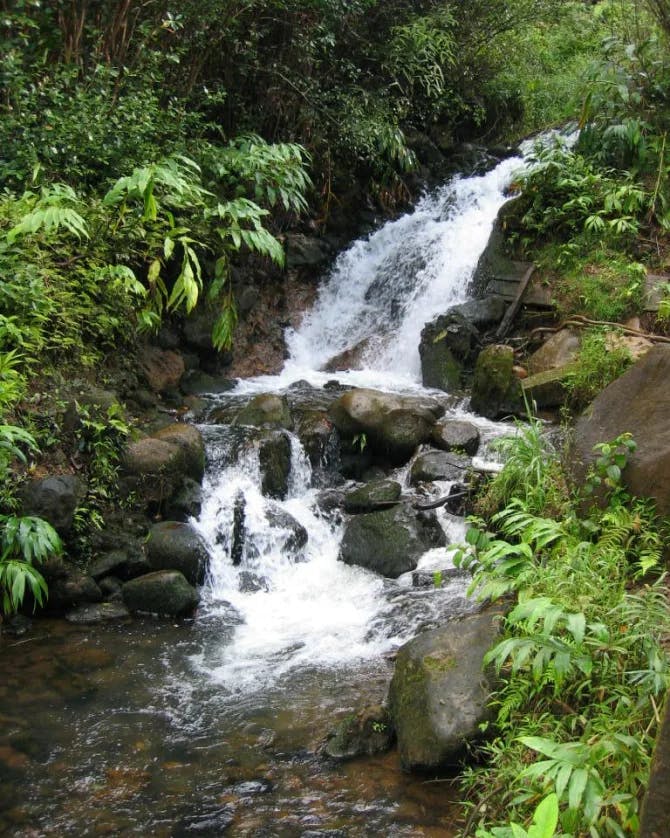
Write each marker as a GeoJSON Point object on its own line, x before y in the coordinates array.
{"type": "Point", "coordinates": [582, 657]}
{"type": "Point", "coordinates": [545, 820]}
{"type": "Point", "coordinates": [24, 541]}
{"type": "Point", "coordinates": [599, 362]}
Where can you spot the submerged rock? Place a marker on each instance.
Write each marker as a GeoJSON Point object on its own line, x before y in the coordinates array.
{"type": "Point", "coordinates": [274, 455]}
{"type": "Point", "coordinates": [390, 542]}
{"type": "Point", "coordinates": [365, 733]}
{"type": "Point", "coordinates": [173, 545]}
{"type": "Point", "coordinates": [102, 612]}
{"type": "Point", "coordinates": [439, 692]}
{"type": "Point", "coordinates": [164, 592]}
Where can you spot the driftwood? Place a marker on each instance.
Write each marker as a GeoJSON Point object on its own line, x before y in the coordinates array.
{"type": "Point", "coordinates": [510, 314]}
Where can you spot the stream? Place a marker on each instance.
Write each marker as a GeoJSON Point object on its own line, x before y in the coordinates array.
{"type": "Point", "coordinates": [213, 725]}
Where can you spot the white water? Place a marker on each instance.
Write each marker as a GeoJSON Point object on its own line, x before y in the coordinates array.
{"type": "Point", "coordinates": [308, 609]}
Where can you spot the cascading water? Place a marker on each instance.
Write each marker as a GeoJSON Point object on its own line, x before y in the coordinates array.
{"type": "Point", "coordinates": [299, 607]}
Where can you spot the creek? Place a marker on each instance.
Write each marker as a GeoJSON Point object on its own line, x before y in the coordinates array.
{"type": "Point", "coordinates": [213, 725]}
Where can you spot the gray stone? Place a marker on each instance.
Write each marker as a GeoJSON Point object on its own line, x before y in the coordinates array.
{"type": "Point", "coordinates": [306, 251]}
{"type": "Point", "coordinates": [557, 351]}
{"type": "Point", "coordinates": [439, 692]}
{"type": "Point", "coordinates": [454, 435]}
{"type": "Point", "coordinates": [547, 389]}
{"type": "Point", "coordinates": [365, 733]}
{"type": "Point", "coordinates": [483, 312]}
{"type": "Point", "coordinates": [55, 499]}
{"type": "Point", "coordinates": [101, 612]}
{"type": "Point", "coordinates": [317, 436]}
{"type": "Point", "coordinates": [376, 495]}
{"type": "Point", "coordinates": [438, 465]}
{"type": "Point", "coordinates": [274, 455]}
{"type": "Point", "coordinates": [162, 368]}
{"type": "Point", "coordinates": [448, 346]}
{"type": "Point", "coordinates": [638, 403]}
{"type": "Point", "coordinates": [496, 391]}
{"type": "Point", "coordinates": [296, 535]}
{"type": "Point", "coordinates": [186, 503]}
{"type": "Point", "coordinates": [390, 542]}
{"type": "Point", "coordinates": [266, 409]}
{"type": "Point", "coordinates": [164, 592]}
{"type": "Point", "coordinates": [173, 545]}
{"type": "Point", "coordinates": [75, 588]}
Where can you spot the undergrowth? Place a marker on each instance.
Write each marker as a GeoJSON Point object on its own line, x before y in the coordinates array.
{"type": "Point", "coordinates": [581, 657]}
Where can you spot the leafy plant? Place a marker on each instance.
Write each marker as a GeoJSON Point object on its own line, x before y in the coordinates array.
{"type": "Point", "coordinates": [24, 541]}
{"type": "Point", "coordinates": [599, 362]}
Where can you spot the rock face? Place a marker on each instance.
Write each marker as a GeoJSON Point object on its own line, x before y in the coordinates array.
{"type": "Point", "coordinates": [54, 499]}
{"type": "Point", "coordinates": [439, 691]}
{"type": "Point", "coordinates": [390, 542]}
{"type": "Point", "coordinates": [456, 436]}
{"type": "Point", "coordinates": [172, 545]}
{"type": "Point", "coordinates": [266, 409]}
{"type": "Point", "coordinates": [496, 390]}
{"type": "Point", "coordinates": [638, 402]}
{"type": "Point", "coordinates": [393, 425]}
{"type": "Point", "coordinates": [438, 465]}
{"type": "Point", "coordinates": [366, 733]}
{"type": "Point", "coordinates": [164, 592]}
{"type": "Point", "coordinates": [376, 495]}
{"type": "Point", "coordinates": [163, 369]}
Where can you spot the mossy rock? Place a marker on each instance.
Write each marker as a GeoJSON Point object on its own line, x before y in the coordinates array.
{"type": "Point", "coordinates": [164, 592]}
{"type": "Point", "coordinates": [274, 454]}
{"type": "Point", "coordinates": [173, 545]}
{"type": "Point", "coordinates": [266, 409]}
{"type": "Point", "coordinates": [496, 391]}
{"type": "Point", "coordinates": [378, 494]}
{"type": "Point", "coordinates": [365, 733]}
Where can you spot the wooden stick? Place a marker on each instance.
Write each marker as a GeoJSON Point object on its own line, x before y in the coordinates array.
{"type": "Point", "coordinates": [510, 314]}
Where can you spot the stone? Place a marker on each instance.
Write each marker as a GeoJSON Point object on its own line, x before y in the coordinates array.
{"type": "Point", "coordinates": [454, 435]}
{"type": "Point", "coordinates": [496, 391]}
{"type": "Point", "coordinates": [365, 733]}
{"type": "Point", "coordinates": [399, 435]}
{"type": "Point", "coordinates": [164, 592]}
{"type": "Point", "coordinates": [266, 409]}
{"type": "Point", "coordinates": [55, 499]}
{"type": "Point", "coordinates": [196, 382]}
{"type": "Point", "coordinates": [274, 455]}
{"type": "Point", "coordinates": [317, 437]}
{"type": "Point", "coordinates": [639, 403]}
{"type": "Point", "coordinates": [547, 389]}
{"type": "Point", "coordinates": [306, 251]}
{"type": "Point", "coordinates": [350, 359]}
{"type": "Point", "coordinates": [448, 346]}
{"type": "Point", "coordinates": [655, 815]}
{"type": "Point", "coordinates": [378, 494]}
{"type": "Point", "coordinates": [186, 503]}
{"type": "Point", "coordinates": [198, 328]}
{"type": "Point", "coordinates": [438, 465]}
{"type": "Point", "coordinates": [191, 444]}
{"type": "Point", "coordinates": [75, 588]}
{"type": "Point", "coordinates": [557, 351]}
{"type": "Point", "coordinates": [390, 542]}
{"type": "Point", "coordinates": [173, 545]}
{"type": "Point", "coordinates": [439, 692]}
{"type": "Point", "coordinates": [294, 534]}
{"type": "Point", "coordinates": [101, 612]}
{"type": "Point", "coordinates": [482, 312]}
{"type": "Point", "coordinates": [251, 583]}
{"type": "Point", "coordinates": [162, 368]}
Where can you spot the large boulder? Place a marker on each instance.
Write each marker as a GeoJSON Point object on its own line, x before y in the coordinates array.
{"type": "Point", "coordinates": [318, 437]}
{"type": "Point", "coordinates": [454, 435]}
{"type": "Point", "coordinates": [266, 409]}
{"type": "Point", "coordinates": [557, 351]}
{"type": "Point", "coordinates": [639, 403]}
{"type": "Point", "coordinates": [448, 345]}
{"type": "Point", "coordinates": [438, 465]}
{"type": "Point", "coordinates": [55, 499]}
{"type": "Point", "coordinates": [190, 442]}
{"type": "Point", "coordinates": [274, 455]}
{"type": "Point", "coordinates": [379, 494]}
{"type": "Point", "coordinates": [394, 426]}
{"type": "Point", "coordinates": [496, 391]}
{"type": "Point", "coordinates": [439, 693]}
{"type": "Point", "coordinates": [306, 251]}
{"type": "Point", "coordinates": [164, 592]}
{"type": "Point", "coordinates": [172, 545]}
{"type": "Point", "coordinates": [390, 542]}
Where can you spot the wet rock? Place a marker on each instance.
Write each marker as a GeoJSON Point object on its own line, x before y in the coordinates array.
{"type": "Point", "coordinates": [101, 612]}
{"type": "Point", "coordinates": [456, 436]}
{"type": "Point", "coordinates": [400, 433]}
{"type": "Point", "coordinates": [266, 409]}
{"type": "Point", "coordinates": [125, 562]}
{"type": "Point", "coordinates": [173, 545]}
{"type": "Point", "coordinates": [74, 589]}
{"type": "Point", "coordinates": [162, 368]}
{"type": "Point", "coordinates": [350, 359]}
{"type": "Point", "coordinates": [196, 382]}
{"type": "Point", "coordinates": [164, 592]}
{"type": "Point", "coordinates": [438, 465]}
{"type": "Point", "coordinates": [198, 330]}
{"type": "Point", "coordinates": [239, 530]}
{"type": "Point", "coordinates": [274, 455]}
{"type": "Point", "coordinates": [368, 732]}
{"type": "Point", "coordinates": [439, 692]}
{"type": "Point", "coordinates": [437, 578]}
{"type": "Point", "coordinates": [296, 534]}
{"type": "Point", "coordinates": [55, 499]}
{"type": "Point", "coordinates": [448, 346]}
{"type": "Point", "coordinates": [248, 787]}
{"type": "Point", "coordinates": [186, 503]}
{"type": "Point", "coordinates": [306, 251]}
{"type": "Point", "coordinates": [637, 403]}
{"type": "Point", "coordinates": [330, 500]}
{"type": "Point", "coordinates": [250, 583]}
{"type": "Point", "coordinates": [547, 389]}
{"type": "Point", "coordinates": [496, 391]}
{"type": "Point", "coordinates": [111, 587]}
{"type": "Point", "coordinates": [376, 495]}
{"type": "Point", "coordinates": [318, 437]}
{"type": "Point", "coordinates": [390, 542]}
{"type": "Point", "coordinates": [209, 824]}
